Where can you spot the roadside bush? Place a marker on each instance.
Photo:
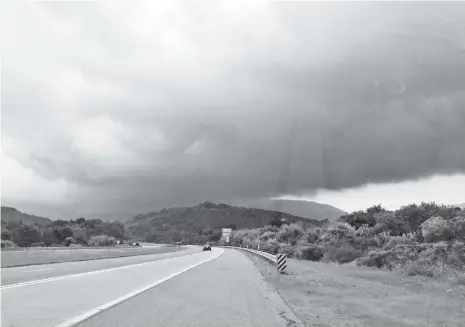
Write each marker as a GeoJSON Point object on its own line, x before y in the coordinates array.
{"type": "Point", "coordinates": [312, 235]}
{"type": "Point", "coordinates": [364, 243]}
{"type": "Point", "coordinates": [426, 239]}
{"type": "Point", "coordinates": [75, 245]}
{"type": "Point", "coordinates": [389, 223]}
{"type": "Point", "coordinates": [309, 252]}
{"type": "Point", "coordinates": [69, 240]}
{"type": "Point", "coordinates": [269, 228]}
{"type": "Point", "coordinates": [423, 259]}
{"type": "Point", "coordinates": [6, 235]}
{"type": "Point", "coordinates": [267, 235]}
{"type": "Point", "coordinates": [419, 269]}
{"type": "Point", "coordinates": [459, 227]}
{"type": "Point", "coordinates": [400, 240]}
{"type": "Point", "coordinates": [286, 248]}
{"type": "Point", "coordinates": [25, 235]}
{"type": "Point", "coordinates": [382, 238]}
{"type": "Point", "coordinates": [377, 259]}
{"type": "Point", "coordinates": [270, 246]}
{"type": "Point", "coordinates": [102, 240]}
{"type": "Point", "coordinates": [290, 234]}
{"type": "Point", "coordinates": [364, 231]}
{"type": "Point", "coordinates": [80, 235]}
{"type": "Point", "coordinates": [8, 244]}
{"type": "Point", "coordinates": [337, 231]}
{"type": "Point", "coordinates": [437, 229]}
{"type": "Point", "coordinates": [342, 253]}
{"type": "Point", "coordinates": [359, 218]}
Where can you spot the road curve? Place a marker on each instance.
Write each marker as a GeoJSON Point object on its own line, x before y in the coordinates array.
{"type": "Point", "coordinates": [228, 291]}
{"type": "Point", "coordinates": [201, 289]}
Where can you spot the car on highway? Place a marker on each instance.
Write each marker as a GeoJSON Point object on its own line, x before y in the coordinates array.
{"type": "Point", "coordinates": [207, 247]}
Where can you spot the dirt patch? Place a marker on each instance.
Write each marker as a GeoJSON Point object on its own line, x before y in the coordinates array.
{"type": "Point", "coordinates": [332, 295]}
{"type": "Point", "coordinates": [38, 257]}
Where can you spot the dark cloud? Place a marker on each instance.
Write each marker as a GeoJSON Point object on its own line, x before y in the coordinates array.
{"type": "Point", "coordinates": [298, 97]}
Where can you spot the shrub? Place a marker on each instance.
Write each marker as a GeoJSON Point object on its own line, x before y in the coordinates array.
{"type": "Point", "coordinates": [358, 219]}
{"type": "Point", "coordinates": [419, 269]}
{"type": "Point", "coordinates": [69, 240]}
{"type": "Point", "coordinates": [38, 244]}
{"type": "Point", "coordinates": [415, 215]}
{"type": "Point", "coordinates": [379, 258]}
{"type": "Point", "coordinates": [26, 235]}
{"type": "Point", "coordinates": [267, 235]}
{"type": "Point", "coordinates": [75, 245]}
{"type": "Point", "coordinates": [343, 253]}
{"type": "Point", "coordinates": [388, 222]}
{"type": "Point", "coordinates": [437, 229]}
{"type": "Point", "coordinates": [270, 246]}
{"type": "Point", "coordinates": [459, 227]}
{"type": "Point", "coordinates": [286, 248]}
{"type": "Point", "coordinates": [309, 252]}
{"type": "Point", "coordinates": [364, 243]}
{"type": "Point", "coordinates": [102, 240]}
{"type": "Point", "coordinates": [400, 240]}
{"type": "Point", "coordinates": [312, 235]}
{"type": "Point", "coordinates": [290, 234]}
{"type": "Point", "coordinates": [6, 235]}
{"type": "Point", "coordinates": [364, 231]}
{"type": "Point", "coordinates": [337, 231]}
{"type": "Point", "coordinates": [80, 235]}
{"type": "Point", "coordinates": [8, 244]}
{"type": "Point", "coordinates": [382, 238]}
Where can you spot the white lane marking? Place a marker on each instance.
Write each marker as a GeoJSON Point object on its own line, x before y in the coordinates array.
{"type": "Point", "coordinates": [39, 281]}
{"type": "Point", "coordinates": [76, 320]}
{"type": "Point", "coordinates": [39, 270]}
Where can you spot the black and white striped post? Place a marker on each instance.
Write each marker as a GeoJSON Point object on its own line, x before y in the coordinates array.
{"type": "Point", "coordinates": [281, 262]}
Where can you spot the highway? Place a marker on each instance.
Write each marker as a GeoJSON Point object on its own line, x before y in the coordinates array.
{"type": "Point", "coordinates": [186, 288]}
{"type": "Point", "coordinates": [24, 274]}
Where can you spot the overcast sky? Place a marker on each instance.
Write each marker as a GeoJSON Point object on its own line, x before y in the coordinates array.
{"type": "Point", "coordinates": [124, 107]}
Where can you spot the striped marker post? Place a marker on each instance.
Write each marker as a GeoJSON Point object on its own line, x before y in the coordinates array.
{"type": "Point", "coordinates": [281, 262]}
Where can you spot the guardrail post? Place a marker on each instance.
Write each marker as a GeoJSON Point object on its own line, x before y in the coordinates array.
{"type": "Point", "coordinates": [281, 262]}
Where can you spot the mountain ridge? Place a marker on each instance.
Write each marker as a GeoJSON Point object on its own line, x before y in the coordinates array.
{"type": "Point", "coordinates": [13, 214]}
{"type": "Point", "coordinates": [204, 221]}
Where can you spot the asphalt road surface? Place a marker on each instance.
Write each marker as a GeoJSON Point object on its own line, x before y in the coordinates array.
{"type": "Point", "coordinates": [217, 288]}
{"type": "Point", "coordinates": [42, 256]}
{"type": "Point", "coordinates": [24, 274]}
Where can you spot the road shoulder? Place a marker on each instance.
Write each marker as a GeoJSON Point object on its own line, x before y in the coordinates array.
{"type": "Point", "coordinates": [331, 295]}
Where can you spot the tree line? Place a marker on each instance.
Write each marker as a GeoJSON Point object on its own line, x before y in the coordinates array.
{"type": "Point", "coordinates": [90, 232]}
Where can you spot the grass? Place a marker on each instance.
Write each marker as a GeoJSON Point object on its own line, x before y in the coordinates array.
{"type": "Point", "coordinates": [37, 257]}
{"type": "Point", "coordinates": [328, 294]}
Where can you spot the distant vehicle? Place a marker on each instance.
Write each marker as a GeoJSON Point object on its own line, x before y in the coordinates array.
{"type": "Point", "coordinates": [136, 244]}
{"type": "Point", "coordinates": [207, 247]}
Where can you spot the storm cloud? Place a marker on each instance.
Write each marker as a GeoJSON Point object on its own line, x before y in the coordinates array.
{"type": "Point", "coordinates": [117, 107]}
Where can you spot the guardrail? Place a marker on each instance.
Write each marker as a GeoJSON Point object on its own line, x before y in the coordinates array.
{"type": "Point", "coordinates": [280, 259]}
{"type": "Point", "coordinates": [266, 255]}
